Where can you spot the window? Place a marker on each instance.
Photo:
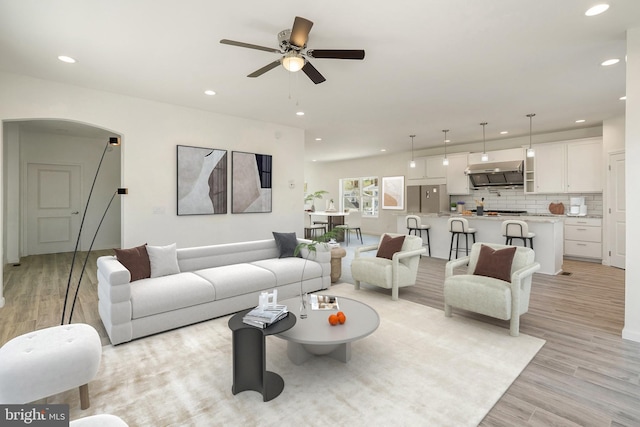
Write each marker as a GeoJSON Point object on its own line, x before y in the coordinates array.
{"type": "Point", "coordinates": [361, 194]}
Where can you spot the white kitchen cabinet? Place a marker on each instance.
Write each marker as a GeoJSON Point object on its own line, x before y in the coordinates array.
{"type": "Point", "coordinates": [567, 167]}
{"type": "Point", "coordinates": [550, 161]}
{"type": "Point", "coordinates": [584, 166]}
{"type": "Point", "coordinates": [418, 172]}
{"type": "Point", "coordinates": [583, 237]}
{"type": "Point", "coordinates": [457, 180]}
{"type": "Point", "coordinates": [434, 167]}
{"type": "Point", "coordinates": [497, 156]}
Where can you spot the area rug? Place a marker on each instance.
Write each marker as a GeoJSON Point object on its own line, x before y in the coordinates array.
{"type": "Point", "coordinates": [418, 368]}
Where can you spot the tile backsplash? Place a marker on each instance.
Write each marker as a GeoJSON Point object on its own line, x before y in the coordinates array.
{"type": "Point", "coordinates": [516, 199]}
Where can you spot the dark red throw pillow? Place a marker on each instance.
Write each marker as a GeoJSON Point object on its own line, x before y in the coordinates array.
{"type": "Point", "coordinates": [136, 260]}
{"type": "Point", "coordinates": [389, 246]}
{"type": "Point", "coordinates": [495, 263]}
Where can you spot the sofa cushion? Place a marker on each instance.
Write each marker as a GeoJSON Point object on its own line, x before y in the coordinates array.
{"type": "Point", "coordinates": [484, 295]}
{"type": "Point", "coordinates": [379, 271]}
{"type": "Point", "coordinates": [167, 293]}
{"type": "Point", "coordinates": [289, 270]}
{"type": "Point", "coordinates": [287, 243]}
{"type": "Point", "coordinates": [495, 263]}
{"type": "Point", "coordinates": [163, 260]}
{"type": "Point", "coordinates": [389, 246]}
{"type": "Point", "coordinates": [136, 260]}
{"type": "Point", "coordinates": [237, 279]}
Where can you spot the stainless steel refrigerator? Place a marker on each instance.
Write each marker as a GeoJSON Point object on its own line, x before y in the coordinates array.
{"type": "Point", "coordinates": [427, 199]}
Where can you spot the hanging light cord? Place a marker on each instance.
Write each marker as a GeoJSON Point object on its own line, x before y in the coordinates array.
{"type": "Point", "coordinates": [445, 142]}
{"type": "Point", "coordinates": [484, 144]}
{"type": "Point", "coordinates": [412, 136]}
{"type": "Point", "coordinates": [530, 127]}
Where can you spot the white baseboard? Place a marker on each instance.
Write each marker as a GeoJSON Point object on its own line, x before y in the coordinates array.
{"type": "Point", "coordinates": [630, 335]}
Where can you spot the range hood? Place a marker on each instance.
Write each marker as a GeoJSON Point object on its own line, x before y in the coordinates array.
{"type": "Point", "coordinates": [498, 174]}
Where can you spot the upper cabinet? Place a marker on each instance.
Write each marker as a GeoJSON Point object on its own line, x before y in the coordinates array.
{"type": "Point", "coordinates": [417, 172]}
{"type": "Point", "coordinates": [497, 156]}
{"type": "Point", "coordinates": [435, 168]}
{"type": "Point", "coordinates": [428, 170]}
{"type": "Point", "coordinates": [565, 167]}
{"type": "Point", "coordinates": [457, 180]}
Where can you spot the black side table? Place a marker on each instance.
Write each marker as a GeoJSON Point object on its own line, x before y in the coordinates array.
{"type": "Point", "coordinates": [249, 356]}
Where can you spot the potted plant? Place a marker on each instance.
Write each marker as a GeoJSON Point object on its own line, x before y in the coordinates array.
{"type": "Point", "coordinates": [311, 197]}
{"type": "Point", "coordinates": [311, 248]}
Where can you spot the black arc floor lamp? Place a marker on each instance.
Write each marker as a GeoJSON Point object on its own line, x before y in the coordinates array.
{"type": "Point", "coordinates": [119, 191]}
{"type": "Point", "coordinates": [113, 141]}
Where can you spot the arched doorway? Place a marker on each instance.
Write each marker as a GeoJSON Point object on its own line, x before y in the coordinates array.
{"type": "Point", "coordinates": [49, 167]}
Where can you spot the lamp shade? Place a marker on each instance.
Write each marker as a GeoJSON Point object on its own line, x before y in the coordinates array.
{"type": "Point", "coordinates": [293, 62]}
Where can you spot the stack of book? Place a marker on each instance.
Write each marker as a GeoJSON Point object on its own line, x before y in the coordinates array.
{"type": "Point", "coordinates": [267, 316]}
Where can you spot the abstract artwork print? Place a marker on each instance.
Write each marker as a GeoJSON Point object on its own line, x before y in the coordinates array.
{"type": "Point", "coordinates": [202, 181]}
{"type": "Point", "coordinates": [393, 192]}
{"type": "Point", "coordinates": [251, 182]}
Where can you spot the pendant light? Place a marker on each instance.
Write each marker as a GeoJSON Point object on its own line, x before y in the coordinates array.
{"type": "Point", "coordinates": [412, 164]}
{"type": "Point", "coordinates": [445, 161]}
{"type": "Point", "coordinates": [530, 151]}
{"type": "Point", "coordinates": [485, 156]}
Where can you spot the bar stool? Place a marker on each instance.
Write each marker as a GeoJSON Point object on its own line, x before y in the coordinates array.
{"type": "Point", "coordinates": [517, 229]}
{"type": "Point", "coordinates": [458, 226]}
{"type": "Point", "coordinates": [414, 223]}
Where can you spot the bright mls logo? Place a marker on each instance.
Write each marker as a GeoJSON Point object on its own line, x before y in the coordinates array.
{"type": "Point", "coordinates": [34, 415]}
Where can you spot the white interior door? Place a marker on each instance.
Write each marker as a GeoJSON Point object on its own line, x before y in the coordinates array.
{"type": "Point", "coordinates": [53, 208]}
{"type": "Point", "coordinates": [617, 211]}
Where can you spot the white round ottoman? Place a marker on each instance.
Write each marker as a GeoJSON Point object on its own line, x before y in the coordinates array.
{"type": "Point", "coordinates": [49, 361]}
{"type": "Point", "coordinates": [102, 420]}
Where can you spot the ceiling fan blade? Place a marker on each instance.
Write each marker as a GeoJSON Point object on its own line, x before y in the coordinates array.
{"type": "Point", "coordinates": [264, 69]}
{"type": "Point", "coordinates": [249, 46]}
{"type": "Point", "coordinates": [300, 32]}
{"type": "Point", "coordinates": [336, 53]}
{"type": "Point", "coordinates": [312, 73]}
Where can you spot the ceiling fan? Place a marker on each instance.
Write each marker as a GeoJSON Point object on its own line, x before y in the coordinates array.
{"type": "Point", "coordinates": [293, 47]}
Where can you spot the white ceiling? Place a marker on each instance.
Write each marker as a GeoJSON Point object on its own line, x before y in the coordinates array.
{"type": "Point", "coordinates": [429, 65]}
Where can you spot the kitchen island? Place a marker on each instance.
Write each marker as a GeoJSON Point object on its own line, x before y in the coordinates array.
{"type": "Point", "coordinates": [547, 244]}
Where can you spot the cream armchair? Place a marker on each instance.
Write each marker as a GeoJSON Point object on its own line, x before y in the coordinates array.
{"type": "Point", "coordinates": [489, 296]}
{"type": "Point", "coordinates": [394, 273]}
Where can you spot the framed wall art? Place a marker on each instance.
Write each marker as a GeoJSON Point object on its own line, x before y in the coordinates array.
{"type": "Point", "coordinates": [251, 176]}
{"type": "Point", "coordinates": [202, 181]}
{"type": "Point", "coordinates": [393, 192]}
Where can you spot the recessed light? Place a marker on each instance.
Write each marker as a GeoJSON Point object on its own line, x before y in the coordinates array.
{"type": "Point", "coordinates": [610, 62]}
{"type": "Point", "coordinates": [300, 113]}
{"type": "Point", "coordinates": [67, 59]}
{"type": "Point", "coordinates": [383, 149]}
{"type": "Point", "coordinates": [597, 9]}
{"type": "Point", "coordinates": [318, 139]}
{"type": "Point", "coordinates": [580, 121]}
{"type": "Point", "coordinates": [209, 92]}
{"type": "Point", "coordinates": [623, 98]}
{"type": "Point", "coordinates": [504, 132]}
{"type": "Point", "coordinates": [314, 160]}
{"type": "Point", "coordinates": [447, 140]}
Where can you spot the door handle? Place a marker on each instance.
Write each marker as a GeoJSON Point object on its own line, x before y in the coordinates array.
{"type": "Point", "coordinates": [75, 213]}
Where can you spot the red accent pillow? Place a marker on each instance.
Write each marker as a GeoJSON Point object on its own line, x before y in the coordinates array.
{"type": "Point", "coordinates": [495, 263]}
{"type": "Point", "coordinates": [389, 246]}
{"type": "Point", "coordinates": [136, 260]}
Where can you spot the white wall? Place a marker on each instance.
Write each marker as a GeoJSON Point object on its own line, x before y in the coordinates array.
{"type": "Point", "coordinates": [632, 153]}
{"type": "Point", "coordinates": [86, 152]}
{"type": "Point", "coordinates": [151, 131]}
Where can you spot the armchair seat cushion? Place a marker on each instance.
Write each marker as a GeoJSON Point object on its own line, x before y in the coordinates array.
{"type": "Point", "coordinates": [379, 271]}
{"type": "Point", "coordinates": [480, 294]}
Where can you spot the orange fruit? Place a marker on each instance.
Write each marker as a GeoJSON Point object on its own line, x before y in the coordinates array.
{"type": "Point", "coordinates": [333, 319]}
{"type": "Point", "coordinates": [341, 317]}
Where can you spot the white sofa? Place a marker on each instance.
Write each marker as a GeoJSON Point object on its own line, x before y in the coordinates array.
{"type": "Point", "coordinates": [213, 281]}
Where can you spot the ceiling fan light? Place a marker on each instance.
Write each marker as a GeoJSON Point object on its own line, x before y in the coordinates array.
{"type": "Point", "coordinates": [293, 62]}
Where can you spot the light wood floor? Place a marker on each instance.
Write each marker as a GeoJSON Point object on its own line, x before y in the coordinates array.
{"type": "Point", "coordinates": [585, 375]}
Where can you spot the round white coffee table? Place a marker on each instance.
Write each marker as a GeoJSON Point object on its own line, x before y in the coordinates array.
{"type": "Point", "coordinates": [314, 336]}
